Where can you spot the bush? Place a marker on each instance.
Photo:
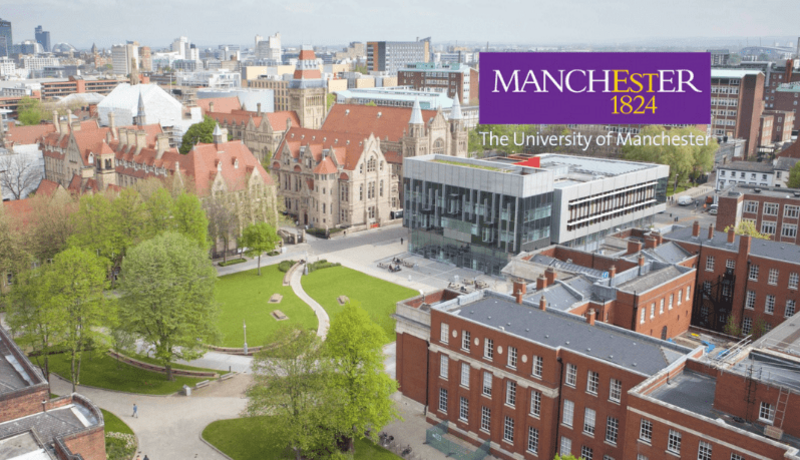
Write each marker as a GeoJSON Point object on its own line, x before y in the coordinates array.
{"type": "Point", "coordinates": [320, 264]}
{"type": "Point", "coordinates": [120, 446]}
{"type": "Point", "coordinates": [285, 265]}
{"type": "Point", "coordinates": [231, 262]}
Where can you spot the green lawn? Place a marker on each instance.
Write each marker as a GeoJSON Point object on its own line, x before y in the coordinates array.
{"type": "Point", "coordinates": [245, 296]}
{"type": "Point", "coordinates": [118, 447]}
{"type": "Point", "coordinates": [102, 371]}
{"type": "Point", "coordinates": [149, 360]}
{"type": "Point", "coordinates": [114, 424]}
{"type": "Point", "coordinates": [376, 296]}
{"type": "Point", "coordinates": [250, 439]}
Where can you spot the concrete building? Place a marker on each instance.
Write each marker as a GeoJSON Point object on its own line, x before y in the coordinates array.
{"type": "Point", "coordinates": [737, 105]}
{"type": "Point", "coordinates": [33, 425]}
{"type": "Point", "coordinates": [217, 79]}
{"type": "Point", "coordinates": [394, 97]}
{"type": "Point", "coordinates": [78, 85]}
{"type": "Point", "coordinates": [29, 47]}
{"type": "Point", "coordinates": [125, 58]}
{"type": "Point", "coordinates": [268, 49]}
{"type": "Point", "coordinates": [765, 174]}
{"type": "Point", "coordinates": [38, 62]}
{"type": "Point", "coordinates": [393, 56]}
{"type": "Point", "coordinates": [719, 57]}
{"type": "Point", "coordinates": [455, 80]}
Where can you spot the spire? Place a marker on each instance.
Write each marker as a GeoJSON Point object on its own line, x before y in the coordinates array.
{"type": "Point", "coordinates": [220, 135]}
{"type": "Point", "coordinates": [416, 114]}
{"type": "Point", "coordinates": [141, 119]}
{"type": "Point", "coordinates": [455, 113]}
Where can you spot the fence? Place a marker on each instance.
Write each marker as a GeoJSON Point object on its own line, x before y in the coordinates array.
{"type": "Point", "coordinates": [434, 437]}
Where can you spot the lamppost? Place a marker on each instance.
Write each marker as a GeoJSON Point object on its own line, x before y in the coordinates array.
{"type": "Point", "coordinates": [244, 326]}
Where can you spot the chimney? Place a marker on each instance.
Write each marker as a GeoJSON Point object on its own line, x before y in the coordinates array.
{"type": "Point", "coordinates": [162, 145]}
{"type": "Point", "coordinates": [649, 242]}
{"type": "Point", "coordinates": [541, 282]}
{"type": "Point", "coordinates": [659, 238]}
{"type": "Point", "coordinates": [612, 271]}
{"type": "Point", "coordinates": [258, 109]}
{"type": "Point", "coordinates": [519, 289]}
{"type": "Point", "coordinates": [141, 140]}
{"type": "Point", "coordinates": [542, 303]}
{"type": "Point", "coordinates": [288, 123]}
{"type": "Point", "coordinates": [55, 121]}
{"type": "Point", "coordinates": [711, 231]}
{"type": "Point", "coordinates": [591, 316]}
{"type": "Point", "coordinates": [550, 274]}
{"type": "Point", "coordinates": [123, 137]}
{"type": "Point", "coordinates": [634, 246]}
{"type": "Point", "coordinates": [112, 124]}
{"type": "Point", "coordinates": [76, 125]}
{"type": "Point", "coordinates": [64, 126]}
{"type": "Point", "coordinates": [131, 137]}
{"type": "Point", "coordinates": [211, 106]}
{"type": "Point", "coordinates": [731, 235]}
{"type": "Point", "coordinates": [696, 229]}
{"type": "Point", "coordinates": [641, 260]}
{"type": "Point", "coordinates": [744, 245]}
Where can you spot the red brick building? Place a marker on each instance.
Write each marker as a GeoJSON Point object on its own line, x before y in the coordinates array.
{"type": "Point", "coordinates": [32, 425]}
{"type": "Point", "coordinates": [782, 91]}
{"type": "Point", "coordinates": [737, 104]}
{"type": "Point", "coordinates": [78, 85]}
{"type": "Point", "coordinates": [773, 211]}
{"type": "Point", "coordinates": [454, 79]}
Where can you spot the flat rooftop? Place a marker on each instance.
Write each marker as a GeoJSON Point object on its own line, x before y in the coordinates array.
{"type": "Point", "coordinates": [775, 192]}
{"type": "Point", "coordinates": [572, 170]}
{"type": "Point", "coordinates": [776, 250]}
{"type": "Point", "coordinates": [749, 166]}
{"type": "Point", "coordinates": [732, 73]}
{"type": "Point", "coordinates": [23, 446]}
{"type": "Point", "coordinates": [53, 423]}
{"type": "Point", "coordinates": [630, 350]}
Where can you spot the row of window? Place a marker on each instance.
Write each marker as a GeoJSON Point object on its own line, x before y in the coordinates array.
{"type": "Point", "coordinates": [769, 304]}
{"type": "Point", "coordinates": [674, 439]}
{"type": "Point", "coordinates": [643, 311]}
{"type": "Point", "coordinates": [772, 209]}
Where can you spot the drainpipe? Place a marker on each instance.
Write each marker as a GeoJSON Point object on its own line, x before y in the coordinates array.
{"type": "Point", "coordinates": [635, 311]}
{"type": "Point", "coordinates": [558, 406]}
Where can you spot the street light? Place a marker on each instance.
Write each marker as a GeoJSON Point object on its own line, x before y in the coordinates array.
{"type": "Point", "coordinates": [244, 326]}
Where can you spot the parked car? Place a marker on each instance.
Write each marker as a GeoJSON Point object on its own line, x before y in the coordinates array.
{"type": "Point", "coordinates": [685, 200]}
{"type": "Point", "coordinates": [713, 209]}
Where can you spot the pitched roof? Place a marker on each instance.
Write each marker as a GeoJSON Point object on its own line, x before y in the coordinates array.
{"type": "Point", "coordinates": [23, 135]}
{"type": "Point", "coordinates": [793, 151]}
{"type": "Point", "coordinates": [381, 121]}
{"type": "Point", "coordinates": [325, 166]}
{"type": "Point", "coordinates": [278, 119]}
{"type": "Point", "coordinates": [347, 147]}
{"type": "Point", "coordinates": [47, 187]}
{"type": "Point", "coordinates": [20, 209]}
{"type": "Point", "coordinates": [221, 104]}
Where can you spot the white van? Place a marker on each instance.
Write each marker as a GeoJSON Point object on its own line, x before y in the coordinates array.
{"type": "Point", "coordinates": [685, 200]}
{"type": "Point", "coordinates": [713, 209]}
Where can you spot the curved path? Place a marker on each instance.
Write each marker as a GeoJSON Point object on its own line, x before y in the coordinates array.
{"type": "Point", "coordinates": [322, 316]}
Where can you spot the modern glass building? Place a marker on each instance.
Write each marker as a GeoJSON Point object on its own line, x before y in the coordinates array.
{"type": "Point", "coordinates": [475, 213]}
{"type": "Point", "coordinates": [42, 38]}
{"type": "Point", "coordinates": [6, 39]}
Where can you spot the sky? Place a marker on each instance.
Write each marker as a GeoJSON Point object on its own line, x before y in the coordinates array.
{"type": "Point", "coordinates": [209, 22]}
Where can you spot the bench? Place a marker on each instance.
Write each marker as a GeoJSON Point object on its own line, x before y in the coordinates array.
{"type": "Point", "coordinates": [227, 376]}
{"type": "Point", "coordinates": [202, 384]}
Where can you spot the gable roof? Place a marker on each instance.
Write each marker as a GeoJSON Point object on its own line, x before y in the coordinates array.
{"type": "Point", "coordinates": [347, 147]}
{"type": "Point", "coordinates": [793, 151]}
{"type": "Point", "coordinates": [381, 121]}
{"type": "Point", "coordinates": [47, 187]}
{"type": "Point", "coordinates": [221, 104]}
{"type": "Point", "coordinates": [23, 135]}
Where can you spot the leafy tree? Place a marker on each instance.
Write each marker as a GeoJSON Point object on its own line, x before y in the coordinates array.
{"type": "Point", "coordinates": [567, 457]}
{"type": "Point", "coordinates": [190, 219]}
{"type": "Point", "coordinates": [76, 279]}
{"type": "Point", "coordinates": [198, 132]}
{"type": "Point", "coordinates": [330, 99]}
{"type": "Point", "coordinates": [29, 111]}
{"type": "Point", "coordinates": [167, 297]}
{"type": "Point", "coordinates": [222, 223]}
{"type": "Point", "coordinates": [50, 225]}
{"type": "Point", "coordinates": [129, 215]}
{"type": "Point", "coordinates": [258, 239]}
{"type": "Point", "coordinates": [732, 326]}
{"type": "Point", "coordinates": [361, 68]}
{"type": "Point", "coordinates": [794, 176]}
{"type": "Point", "coordinates": [371, 104]}
{"type": "Point", "coordinates": [759, 328]}
{"type": "Point", "coordinates": [354, 346]}
{"type": "Point", "coordinates": [289, 381]}
{"type": "Point", "coordinates": [748, 228]}
{"type": "Point", "coordinates": [94, 225]}
{"type": "Point", "coordinates": [158, 213]}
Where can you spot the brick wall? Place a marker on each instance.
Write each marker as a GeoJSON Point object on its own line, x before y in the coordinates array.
{"type": "Point", "coordinates": [22, 403]}
{"type": "Point", "coordinates": [412, 366]}
{"type": "Point", "coordinates": [90, 444]}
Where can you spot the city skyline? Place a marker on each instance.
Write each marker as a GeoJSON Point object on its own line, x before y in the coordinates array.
{"type": "Point", "coordinates": [327, 23]}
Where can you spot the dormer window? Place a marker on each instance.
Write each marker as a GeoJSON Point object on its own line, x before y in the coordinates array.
{"type": "Point", "coordinates": [236, 164]}
{"type": "Point", "coordinates": [91, 158]}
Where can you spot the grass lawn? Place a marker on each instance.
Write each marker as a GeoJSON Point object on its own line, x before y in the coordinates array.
{"type": "Point", "coordinates": [252, 439]}
{"type": "Point", "coordinates": [245, 296]}
{"type": "Point", "coordinates": [102, 371]}
{"type": "Point", "coordinates": [376, 296]}
{"type": "Point", "coordinates": [149, 360]}
{"type": "Point", "coordinates": [120, 440]}
{"type": "Point", "coordinates": [114, 424]}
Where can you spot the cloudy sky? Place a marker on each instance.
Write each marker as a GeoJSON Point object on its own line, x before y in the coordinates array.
{"type": "Point", "coordinates": [207, 22]}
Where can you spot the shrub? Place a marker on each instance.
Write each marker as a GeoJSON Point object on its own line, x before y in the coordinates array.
{"type": "Point", "coordinates": [285, 265]}
{"type": "Point", "coordinates": [120, 446]}
{"type": "Point", "coordinates": [232, 262]}
{"type": "Point", "coordinates": [320, 264]}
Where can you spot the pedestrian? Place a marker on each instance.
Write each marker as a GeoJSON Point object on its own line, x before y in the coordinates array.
{"type": "Point", "coordinates": [135, 411]}
{"type": "Point", "coordinates": [401, 241]}
{"type": "Point", "coordinates": [145, 458]}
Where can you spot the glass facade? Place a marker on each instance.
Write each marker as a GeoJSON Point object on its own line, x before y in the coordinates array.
{"type": "Point", "coordinates": [474, 228]}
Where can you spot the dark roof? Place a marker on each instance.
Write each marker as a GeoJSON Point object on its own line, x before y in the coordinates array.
{"type": "Point", "coordinates": [651, 279]}
{"type": "Point", "coordinates": [51, 424]}
{"type": "Point", "coordinates": [751, 166]}
{"type": "Point", "coordinates": [776, 250]}
{"type": "Point", "coordinates": [635, 352]}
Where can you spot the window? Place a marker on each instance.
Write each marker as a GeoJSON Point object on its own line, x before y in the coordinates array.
{"type": "Point", "coordinates": [536, 403]}
{"type": "Point", "coordinates": [569, 412]}
{"type": "Point", "coordinates": [793, 279]}
{"type": "Point", "coordinates": [730, 263]}
{"type": "Point", "coordinates": [766, 413]}
{"type": "Point", "coordinates": [487, 383]}
{"type": "Point", "coordinates": [674, 442]}
{"type": "Point", "coordinates": [592, 382]}
{"type": "Point", "coordinates": [680, 296]}
{"type": "Point", "coordinates": [486, 416]}
{"type": "Point", "coordinates": [736, 457]}
{"type": "Point", "coordinates": [638, 457]}
{"type": "Point", "coordinates": [671, 299]}
{"type": "Point", "coordinates": [661, 307]}
{"type": "Point", "coordinates": [704, 451]}
{"type": "Point", "coordinates": [588, 421]}
{"type": "Point", "coordinates": [747, 325]}
{"type": "Point", "coordinates": [753, 274]}
{"type": "Point", "coordinates": [710, 263]}
{"type": "Point", "coordinates": [615, 392]}
{"type": "Point", "coordinates": [533, 440]}
{"type": "Point", "coordinates": [770, 209]}
{"type": "Point", "coordinates": [512, 357]}
{"type": "Point", "coordinates": [641, 317]}
{"type": "Point", "coordinates": [443, 400]}
{"type": "Point", "coordinates": [508, 430]}
{"type": "Point", "coordinates": [444, 363]}
{"type": "Point", "coordinates": [707, 287]}
{"type": "Point", "coordinates": [538, 364]}
{"type": "Point", "coordinates": [465, 375]}
{"type": "Point", "coordinates": [789, 231]}
{"type": "Point", "coordinates": [768, 227]}
{"type": "Point", "coordinates": [586, 453]}
{"type": "Point", "coordinates": [511, 392]}
{"type": "Point", "coordinates": [572, 375]}
{"type": "Point", "coordinates": [566, 446]}
{"type": "Point", "coordinates": [790, 308]}
{"type": "Point", "coordinates": [791, 211]}
{"type": "Point", "coordinates": [688, 293]}
{"type": "Point", "coordinates": [488, 349]}
{"type": "Point", "coordinates": [769, 305]}
{"type": "Point", "coordinates": [463, 410]}
{"type": "Point", "coordinates": [646, 431]}
{"type": "Point", "coordinates": [773, 276]}
{"type": "Point", "coordinates": [751, 206]}
{"type": "Point", "coordinates": [652, 310]}
{"type": "Point", "coordinates": [465, 340]}
{"type": "Point", "coordinates": [612, 429]}
{"type": "Point", "coordinates": [750, 302]}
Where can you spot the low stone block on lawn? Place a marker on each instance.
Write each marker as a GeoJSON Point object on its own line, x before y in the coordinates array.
{"type": "Point", "coordinates": [342, 299]}
{"type": "Point", "coordinates": [276, 298]}
{"type": "Point", "coordinates": [278, 315]}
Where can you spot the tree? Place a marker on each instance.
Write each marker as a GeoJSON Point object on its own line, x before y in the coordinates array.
{"type": "Point", "coordinates": [759, 328]}
{"type": "Point", "coordinates": [76, 279]}
{"type": "Point", "coordinates": [222, 223]}
{"type": "Point", "coordinates": [167, 297]}
{"type": "Point", "coordinates": [190, 219]}
{"type": "Point", "coordinates": [29, 111]}
{"type": "Point", "coordinates": [18, 175]}
{"type": "Point", "coordinates": [258, 239]}
{"type": "Point", "coordinates": [732, 326]}
{"type": "Point", "coordinates": [198, 132]}
{"type": "Point", "coordinates": [94, 225]}
{"type": "Point", "coordinates": [361, 68]}
{"type": "Point", "coordinates": [354, 345]}
{"type": "Point", "coordinates": [794, 176]}
{"type": "Point", "coordinates": [330, 99]}
{"type": "Point", "coordinates": [289, 382]}
{"type": "Point", "coordinates": [748, 228]}
{"type": "Point", "coordinates": [50, 225]}
{"type": "Point", "coordinates": [371, 104]}
{"type": "Point", "coordinates": [566, 457]}
{"type": "Point", "coordinates": [128, 221]}
{"type": "Point", "coordinates": [158, 213]}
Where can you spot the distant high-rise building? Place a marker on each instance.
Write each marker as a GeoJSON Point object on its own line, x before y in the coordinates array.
{"type": "Point", "coordinates": [125, 58]}
{"type": "Point", "coordinates": [181, 46]}
{"type": "Point", "coordinates": [392, 56]}
{"type": "Point", "coordinates": [269, 48]}
{"type": "Point", "coordinates": [43, 38]}
{"type": "Point", "coordinates": [6, 39]}
{"type": "Point", "coordinates": [145, 59]}
{"type": "Point", "coordinates": [719, 57]}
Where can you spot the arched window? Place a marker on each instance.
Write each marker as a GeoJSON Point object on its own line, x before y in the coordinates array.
{"type": "Point", "coordinates": [371, 164]}
{"type": "Point", "coordinates": [381, 166]}
{"type": "Point", "coordinates": [438, 147]}
{"type": "Point", "coordinates": [381, 190]}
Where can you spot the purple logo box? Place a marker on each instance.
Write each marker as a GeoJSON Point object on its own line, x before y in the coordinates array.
{"type": "Point", "coordinates": [595, 88]}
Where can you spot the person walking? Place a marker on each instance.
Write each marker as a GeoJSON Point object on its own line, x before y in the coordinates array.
{"type": "Point", "coordinates": [135, 411]}
{"type": "Point", "coordinates": [401, 241]}
{"type": "Point", "coordinates": [145, 458]}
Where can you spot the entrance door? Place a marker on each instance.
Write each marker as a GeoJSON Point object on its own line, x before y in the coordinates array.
{"type": "Point", "coordinates": [664, 333]}
{"type": "Point", "coordinates": [305, 218]}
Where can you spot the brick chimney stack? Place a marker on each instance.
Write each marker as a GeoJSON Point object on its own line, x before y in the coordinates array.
{"type": "Point", "coordinates": [519, 290]}
{"type": "Point", "coordinates": [612, 271]}
{"type": "Point", "coordinates": [634, 246]}
{"type": "Point", "coordinates": [649, 242]}
{"type": "Point", "coordinates": [711, 231]}
{"type": "Point", "coordinates": [542, 303]}
{"type": "Point", "coordinates": [541, 282]}
{"type": "Point", "coordinates": [696, 229]}
{"type": "Point", "coordinates": [550, 274]}
{"type": "Point", "coordinates": [731, 235]}
{"type": "Point", "coordinates": [591, 316]}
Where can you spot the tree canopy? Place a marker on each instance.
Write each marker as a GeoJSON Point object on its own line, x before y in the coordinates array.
{"type": "Point", "coordinates": [748, 228]}
{"type": "Point", "coordinates": [794, 176]}
{"type": "Point", "coordinates": [30, 111]}
{"type": "Point", "coordinates": [258, 239]}
{"type": "Point", "coordinates": [198, 132]}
